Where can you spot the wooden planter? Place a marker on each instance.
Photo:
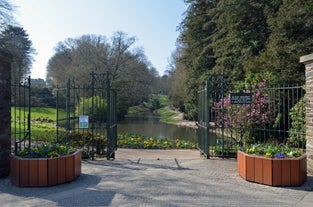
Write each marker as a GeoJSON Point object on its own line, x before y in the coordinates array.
{"type": "Point", "coordinates": [272, 171]}
{"type": "Point", "coordinates": [36, 172]}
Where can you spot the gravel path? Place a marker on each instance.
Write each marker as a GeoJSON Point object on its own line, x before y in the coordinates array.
{"type": "Point", "coordinates": [157, 178]}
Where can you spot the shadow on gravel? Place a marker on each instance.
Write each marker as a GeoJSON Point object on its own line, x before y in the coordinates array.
{"type": "Point", "coordinates": [177, 165]}
{"type": "Point", "coordinates": [307, 186]}
{"type": "Point", "coordinates": [81, 192]}
{"type": "Point", "coordinates": [90, 197]}
{"type": "Point", "coordinates": [139, 164]}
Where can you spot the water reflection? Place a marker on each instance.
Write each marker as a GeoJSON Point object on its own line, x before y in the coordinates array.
{"type": "Point", "coordinates": [150, 126]}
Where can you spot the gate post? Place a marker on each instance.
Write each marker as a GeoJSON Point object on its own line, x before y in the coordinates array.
{"type": "Point", "coordinates": [5, 116]}
{"type": "Point", "coordinates": [207, 120]}
{"type": "Point", "coordinates": [307, 60]}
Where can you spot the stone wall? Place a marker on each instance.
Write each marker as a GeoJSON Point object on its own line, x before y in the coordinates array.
{"type": "Point", "coordinates": [308, 61]}
{"type": "Point", "coordinates": [5, 117]}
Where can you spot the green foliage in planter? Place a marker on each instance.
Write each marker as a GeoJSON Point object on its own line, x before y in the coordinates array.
{"type": "Point", "coordinates": [128, 140]}
{"type": "Point", "coordinates": [46, 151]}
{"type": "Point", "coordinates": [273, 150]}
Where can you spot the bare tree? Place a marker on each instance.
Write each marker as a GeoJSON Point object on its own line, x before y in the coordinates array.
{"type": "Point", "coordinates": [131, 75]}
{"type": "Point", "coordinates": [77, 58]}
{"type": "Point", "coordinates": [119, 52]}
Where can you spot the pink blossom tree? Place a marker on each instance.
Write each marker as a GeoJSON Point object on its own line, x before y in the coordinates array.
{"type": "Point", "coordinates": [240, 119]}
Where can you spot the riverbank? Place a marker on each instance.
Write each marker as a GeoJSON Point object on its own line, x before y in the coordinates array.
{"type": "Point", "coordinates": [167, 115]}
{"type": "Point", "coordinates": [177, 118]}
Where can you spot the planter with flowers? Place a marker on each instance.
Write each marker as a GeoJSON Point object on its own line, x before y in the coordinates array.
{"type": "Point", "coordinates": [272, 165]}
{"type": "Point", "coordinates": [45, 166]}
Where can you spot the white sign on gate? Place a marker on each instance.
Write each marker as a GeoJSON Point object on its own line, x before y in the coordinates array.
{"type": "Point", "coordinates": [83, 122]}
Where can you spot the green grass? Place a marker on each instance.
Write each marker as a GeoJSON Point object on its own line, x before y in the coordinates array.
{"type": "Point", "coordinates": [166, 115]}
{"type": "Point", "coordinates": [42, 122]}
{"type": "Point", "coordinates": [44, 113]}
{"type": "Point", "coordinates": [37, 113]}
{"type": "Point", "coordinates": [163, 99]}
{"type": "Point", "coordinates": [137, 110]}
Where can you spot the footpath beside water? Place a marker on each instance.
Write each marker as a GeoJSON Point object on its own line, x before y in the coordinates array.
{"type": "Point", "coordinates": [158, 178]}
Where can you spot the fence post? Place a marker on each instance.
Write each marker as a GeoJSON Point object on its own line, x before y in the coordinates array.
{"type": "Point", "coordinates": [5, 124]}
{"type": "Point", "coordinates": [307, 60]}
{"type": "Point", "coordinates": [29, 112]}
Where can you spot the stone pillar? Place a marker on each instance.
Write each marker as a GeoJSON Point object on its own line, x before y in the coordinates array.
{"type": "Point", "coordinates": [5, 117]}
{"type": "Point", "coordinates": [307, 60]}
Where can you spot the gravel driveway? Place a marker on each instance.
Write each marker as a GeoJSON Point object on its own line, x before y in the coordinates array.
{"type": "Point", "coordinates": [158, 178]}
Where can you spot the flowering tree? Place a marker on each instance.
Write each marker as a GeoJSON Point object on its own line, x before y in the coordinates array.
{"type": "Point", "coordinates": [240, 119]}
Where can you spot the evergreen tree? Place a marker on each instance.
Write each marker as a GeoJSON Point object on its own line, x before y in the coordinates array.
{"type": "Point", "coordinates": [291, 37]}
{"type": "Point", "coordinates": [197, 53]}
{"type": "Point", "coordinates": [15, 40]}
{"type": "Point", "coordinates": [247, 40]}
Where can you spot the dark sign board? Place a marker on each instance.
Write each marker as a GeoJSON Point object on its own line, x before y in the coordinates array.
{"type": "Point", "coordinates": [240, 98]}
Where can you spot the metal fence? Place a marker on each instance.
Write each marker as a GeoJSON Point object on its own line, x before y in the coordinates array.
{"type": "Point", "coordinates": [214, 90]}
{"type": "Point", "coordinates": [230, 119]}
{"type": "Point", "coordinates": [86, 116]}
{"type": "Point", "coordinates": [20, 114]}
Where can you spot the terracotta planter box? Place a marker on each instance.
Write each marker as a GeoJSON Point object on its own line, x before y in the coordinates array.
{"type": "Point", "coordinates": [36, 172]}
{"type": "Point", "coordinates": [272, 171]}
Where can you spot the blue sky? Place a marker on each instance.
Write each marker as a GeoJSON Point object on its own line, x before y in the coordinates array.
{"type": "Point", "coordinates": [153, 22]}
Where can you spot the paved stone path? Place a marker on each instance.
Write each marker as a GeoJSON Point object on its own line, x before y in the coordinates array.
{"type": "Point", "coordinates": [157, 178]}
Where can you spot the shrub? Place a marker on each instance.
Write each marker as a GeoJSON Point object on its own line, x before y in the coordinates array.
{"type": "Point", "coordinates": [297, 130]}
{"type": "Point", "coordinates": [240, 118]}
{"type": "Point", "coordinates": [83, 140]}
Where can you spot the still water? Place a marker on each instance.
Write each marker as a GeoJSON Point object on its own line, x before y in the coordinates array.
{"type": "Point", "coordinates": [151, 126]}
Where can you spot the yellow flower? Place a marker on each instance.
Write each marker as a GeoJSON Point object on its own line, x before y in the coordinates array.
{"type": "Point", "coordinates": [62, 147]}
{"type": "Point", "coordinates": [36, 149]}
{"type": "Point", "coordinates": [268, 155]}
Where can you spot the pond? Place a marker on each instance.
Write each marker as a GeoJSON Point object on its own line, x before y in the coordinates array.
{"type": "Point", "coordinates": [151, 126]}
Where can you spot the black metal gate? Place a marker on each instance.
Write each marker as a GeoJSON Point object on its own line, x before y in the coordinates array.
{"type": "Point", "coordinates": [209, 134]}
{"type": "Point", "coordinates": [86, 116]}
{"type": "Point", "coordinates": [230, 118]}
{"type": "Point", "coordinates": [21, 114]}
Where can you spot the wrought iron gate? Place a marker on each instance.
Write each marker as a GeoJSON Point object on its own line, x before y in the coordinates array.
{"type": "Point", "coordinates": [207, 129]}
{"type": "Point", "coordinates": [20, 114]}
{"type": "Point", "coordinates": [230, 118]}
{"type": "Point", "coordinates": [86, 116]}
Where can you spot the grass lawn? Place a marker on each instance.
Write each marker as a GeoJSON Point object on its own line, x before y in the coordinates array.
{"type": "Point", "coordinates": [43, 121]}
{"type": "Point", "coordinates": [167, 115]}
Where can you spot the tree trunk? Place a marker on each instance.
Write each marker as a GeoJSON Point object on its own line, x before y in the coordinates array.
{"type": "Point", "coordinates": [5, 117]}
